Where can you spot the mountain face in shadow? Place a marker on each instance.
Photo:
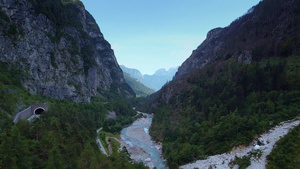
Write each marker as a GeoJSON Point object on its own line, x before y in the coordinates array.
{"type": "Point", "coordinates": [242, 80]}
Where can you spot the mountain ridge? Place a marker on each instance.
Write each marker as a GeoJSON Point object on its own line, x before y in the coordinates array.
{"type": "Point", "coordinates": [231, 41]}
{"type": "Point", "coordinates": [270, 26]}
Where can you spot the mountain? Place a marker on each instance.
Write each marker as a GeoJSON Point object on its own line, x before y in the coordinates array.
{"type": "Point", "coordinates": [264, 31]}
{"type": "Point", "coordinates": [163, 72]}
{"type": "Point", "coordinates": [137, 86]}
{"type": "Point", "coordinates": [60, 49]}
{"type": "Point", "coordinates": [134, 73]}
{"type": "Point", "coordinates": [52, 52]}
{"type": "Point", "coordinates": [242, 80]}
{"type": "Point", "coordinates": [155, 81]}
{"type": "Point", "coordinates": [159, 78]}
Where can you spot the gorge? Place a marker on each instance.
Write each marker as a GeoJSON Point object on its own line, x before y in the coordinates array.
{"type": "Point", "coordinates": [227, 106]}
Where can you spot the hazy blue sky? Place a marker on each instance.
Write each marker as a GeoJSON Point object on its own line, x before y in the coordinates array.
{"type": "Point", "coordinates": [153, 34]}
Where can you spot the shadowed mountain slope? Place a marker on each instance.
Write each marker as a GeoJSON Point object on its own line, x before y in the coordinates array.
{"type": "Point", "coordinates": [242, 80]}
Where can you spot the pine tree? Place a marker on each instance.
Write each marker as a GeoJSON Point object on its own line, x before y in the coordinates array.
{"type": "Point", "coordinates": [55, 160]}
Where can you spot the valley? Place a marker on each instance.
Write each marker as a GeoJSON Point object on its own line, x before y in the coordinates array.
{"type": "Point", "coordinates": [233, 103]}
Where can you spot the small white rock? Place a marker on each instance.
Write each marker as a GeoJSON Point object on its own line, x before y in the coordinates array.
{"type": "Point", "coordinates": [257, 147]}
{"type": "Point", "coordinates": [148, 160]}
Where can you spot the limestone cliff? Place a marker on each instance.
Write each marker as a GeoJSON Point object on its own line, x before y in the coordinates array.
{"type": "Point", "coordinates": [60, 49]}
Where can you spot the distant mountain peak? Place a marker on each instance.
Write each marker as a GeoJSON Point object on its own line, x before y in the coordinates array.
{"type": "Point", "coordinates": [155, 81]}
{"type": "Point", "coordinates": [165, 72]}
{"type": "Point", "coordinates": [161, 71]}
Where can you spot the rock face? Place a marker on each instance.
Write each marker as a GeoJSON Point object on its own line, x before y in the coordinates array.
{"type": "Point", "coordinates": [62, 53]}
{"type": "Point", "coordinates": [204, 54]}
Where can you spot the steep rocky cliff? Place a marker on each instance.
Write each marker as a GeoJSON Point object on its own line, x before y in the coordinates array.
{"type": "Point", "coordinates": [60, 49]}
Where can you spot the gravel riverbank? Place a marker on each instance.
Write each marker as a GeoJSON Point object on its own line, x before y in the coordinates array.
{"type": "Point", "coordinates": [268, 139]}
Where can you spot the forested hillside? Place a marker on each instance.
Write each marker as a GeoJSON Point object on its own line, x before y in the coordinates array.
{"type": "Point", "coordinates": [242, 80]}
{"type": "Point", "coordinates": [225, 105]}
{"type": "Point", "coordinates": [64, 136]}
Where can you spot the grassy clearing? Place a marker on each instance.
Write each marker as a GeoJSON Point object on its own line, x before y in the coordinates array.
{"type": "Point", "coordinates": [117, 135]}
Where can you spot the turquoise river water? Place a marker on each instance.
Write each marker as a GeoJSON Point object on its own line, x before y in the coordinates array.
{"type": "Point", "coordinates": [139, 143]}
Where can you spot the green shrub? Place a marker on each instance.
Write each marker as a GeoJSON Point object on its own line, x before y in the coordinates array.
{"type": "Point", "coordinates": [243, 162]}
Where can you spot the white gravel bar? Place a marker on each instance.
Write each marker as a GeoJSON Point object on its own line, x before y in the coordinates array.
{"type": "Point", "coordinates": [221, 161]}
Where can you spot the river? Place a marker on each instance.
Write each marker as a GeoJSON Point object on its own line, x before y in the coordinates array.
{"type": "Point", "coordinates": [139, 144]}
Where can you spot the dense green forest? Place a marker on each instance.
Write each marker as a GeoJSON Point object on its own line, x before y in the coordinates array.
{"type": "Point", "coordinates": [64, 136]}
{"type": "Point", "coordinates": [226, 104]}
{"type": "Point", "coordinates": [286, 154]}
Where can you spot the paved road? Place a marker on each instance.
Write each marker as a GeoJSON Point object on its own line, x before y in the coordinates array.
{"type": "Point", "coordinates": [101, 147]}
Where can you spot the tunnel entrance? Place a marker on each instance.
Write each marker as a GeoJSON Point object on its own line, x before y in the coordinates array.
{"type": "Point", "coordinates": [39, 110]}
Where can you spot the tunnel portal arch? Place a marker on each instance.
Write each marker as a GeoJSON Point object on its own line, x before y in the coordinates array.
{"type": "Point", "coordinates": [38, 110]}
{"type": "Point", "coordinates": [33, 109]}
